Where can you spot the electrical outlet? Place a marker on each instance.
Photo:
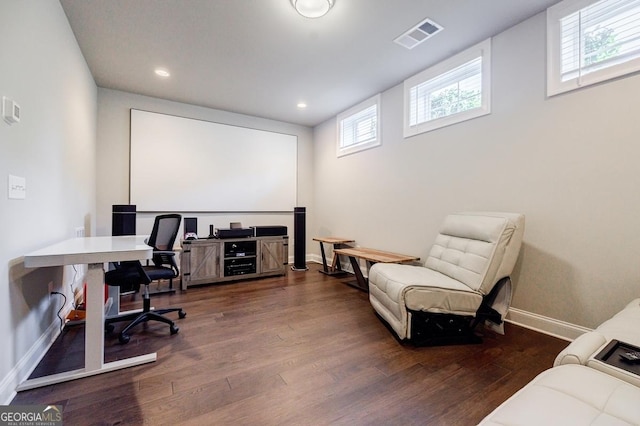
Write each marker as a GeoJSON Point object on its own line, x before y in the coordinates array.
{"type": "Point", "coordinates": [17, 187]}
{"type": "Point", "coordinates": [79, 232]}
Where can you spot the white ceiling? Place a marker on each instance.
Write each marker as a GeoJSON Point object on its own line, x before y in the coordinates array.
{"type": "Point", "coordinates": [259, 57]}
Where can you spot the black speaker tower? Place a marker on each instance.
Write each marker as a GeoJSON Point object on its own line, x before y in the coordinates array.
{"type": "Point", "coordinates": [123, 219]}
{"type": "Point", "coordinates": [299, 238]}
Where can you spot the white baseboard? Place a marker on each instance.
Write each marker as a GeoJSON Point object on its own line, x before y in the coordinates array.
{"type": "Point", "coordinates": [27, 363]}
{"type": "Point", "coordinates": [345, 266]}
{"type": "Point", "coordinates": [552, 327]}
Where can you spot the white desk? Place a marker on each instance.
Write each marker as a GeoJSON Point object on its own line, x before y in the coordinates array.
{"type": "Point", "coordinates": [94, 251]}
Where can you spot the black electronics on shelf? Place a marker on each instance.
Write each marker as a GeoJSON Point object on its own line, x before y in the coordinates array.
{"type": "Point", "coordinates": [269, 231]}
{"type": "Point", "coordinates": [240, 248]}
{"type": "Point", "coordinates": [234, 233]}
{"type": "Point", "coordinates": [240, 257]}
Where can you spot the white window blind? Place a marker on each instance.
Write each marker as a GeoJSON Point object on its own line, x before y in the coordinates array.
{"type": "Point", "coordinates": [592, 41]}
{"type": "Point", "coordinates": [359, 127]}
{"type": "Point", "coordinates": [450, 92]}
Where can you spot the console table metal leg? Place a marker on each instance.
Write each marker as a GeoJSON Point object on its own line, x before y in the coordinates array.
{"type": "Point", "coordinates": [361, 281]}
{"type": "Point", "coordinates": [336, 266]}
{"type": "Point", "coordinates": [325, 267]}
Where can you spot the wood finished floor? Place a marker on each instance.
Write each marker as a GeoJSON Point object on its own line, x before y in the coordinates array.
{"type": "Point", "coordinates": [304, 349]}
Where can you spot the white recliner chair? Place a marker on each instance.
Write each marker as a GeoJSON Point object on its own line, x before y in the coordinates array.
{"type": "Point", "coordinates": [465, 280]}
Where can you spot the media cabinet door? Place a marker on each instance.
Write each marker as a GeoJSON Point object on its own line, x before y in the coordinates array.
{"type": "Point", "coordinates": [204, 262]}
{"type": "Point", "coordinates": [273, 255]}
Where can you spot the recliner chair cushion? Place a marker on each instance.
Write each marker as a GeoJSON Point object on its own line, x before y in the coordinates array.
{"type": "Point", "coordinates": [394, 282]}
{"type": "Point", "coordinates": [471, 249]}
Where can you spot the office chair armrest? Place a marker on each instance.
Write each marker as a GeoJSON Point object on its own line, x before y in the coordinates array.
{"type": "Point", "coordinates": [165, 257]}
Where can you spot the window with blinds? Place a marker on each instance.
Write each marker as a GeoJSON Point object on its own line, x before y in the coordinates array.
{"type": "Point", "coordinates": [591, 41]}
{"type": "Point", "coordinates": [359, 127]}
{"type": "Point", "coordinates": [455, 90]}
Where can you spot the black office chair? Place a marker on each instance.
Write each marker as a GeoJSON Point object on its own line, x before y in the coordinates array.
{"type": "Point", "coordinates": [131, 275]}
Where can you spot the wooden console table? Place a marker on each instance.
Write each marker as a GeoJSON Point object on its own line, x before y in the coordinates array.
{"type": "Point", "coordinates": [371, 256]}
{"type": "Point", "coordinates": [336, 267]}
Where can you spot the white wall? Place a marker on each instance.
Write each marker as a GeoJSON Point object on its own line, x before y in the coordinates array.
{"type": "Point", "coordinates": [569, 163]}
{"type": "Point", "coordinates": [53, 147]}
{"type": "Point", "coordinates": [113, 161]}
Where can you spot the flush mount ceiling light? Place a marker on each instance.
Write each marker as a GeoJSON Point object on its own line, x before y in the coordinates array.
{"type": "Point", "coordinates": [162, 72]}
{"type": "Point", "coordinates": [312, 8]}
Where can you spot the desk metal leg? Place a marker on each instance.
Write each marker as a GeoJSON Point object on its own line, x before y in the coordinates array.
{"type": "Point", "coordinates": [93, 331]}
{"type": "Point", "coordinates": [94, 339]}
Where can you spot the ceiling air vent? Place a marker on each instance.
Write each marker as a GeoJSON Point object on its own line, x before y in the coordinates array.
{"type": "Point", "coordinates": [418, 34]}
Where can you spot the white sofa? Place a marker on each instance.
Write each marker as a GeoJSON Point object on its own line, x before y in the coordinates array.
{"type": "Point", "coordinates": [570, 395]}
{"type": "Point", "coordinates": [581, 389]}
{"type": "Point", "coordinates": [623, 326]}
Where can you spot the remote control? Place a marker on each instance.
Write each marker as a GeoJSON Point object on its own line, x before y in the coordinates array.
{"type": "Point", "coordinates": [633, 356]}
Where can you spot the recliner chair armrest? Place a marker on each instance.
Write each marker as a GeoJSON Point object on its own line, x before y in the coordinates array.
{"type": "Point", "coordinates": [579, 351]}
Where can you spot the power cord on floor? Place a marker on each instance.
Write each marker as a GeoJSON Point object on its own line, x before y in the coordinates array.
{"type": "Point", "coordinates": [71, 285]}
{"type": "Point", "coordinates": [61, 308]}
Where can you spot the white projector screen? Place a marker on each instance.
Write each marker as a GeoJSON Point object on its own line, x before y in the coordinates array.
{"type": "Point", "coordinates": [187, 165]}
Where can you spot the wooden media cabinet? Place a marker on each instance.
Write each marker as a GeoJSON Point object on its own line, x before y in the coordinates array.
{"type": "Point", "coordinates": [213, 260]}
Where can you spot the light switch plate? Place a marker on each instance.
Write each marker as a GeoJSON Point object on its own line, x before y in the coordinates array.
{"type": "Point", "coordinates": [10, 110]}
{"type": "Point", "coordinates": [17, 188]}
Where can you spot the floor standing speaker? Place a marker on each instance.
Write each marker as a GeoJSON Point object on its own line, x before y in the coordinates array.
{"type": "Point", "coordinates": [123, 219]}
{"type": "Point", "coordinates": [299, 238]}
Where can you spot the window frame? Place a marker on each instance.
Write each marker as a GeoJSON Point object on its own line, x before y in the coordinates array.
{"type": "Point", "coordinates": [555, 85]}
{"type": "Point", "coordinates": [345, 115]}
{"type": "Point", "coordinates": [481, 50]}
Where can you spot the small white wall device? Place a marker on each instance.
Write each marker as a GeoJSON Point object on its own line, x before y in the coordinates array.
{"type": "Point", "coordinates": [10, 111]}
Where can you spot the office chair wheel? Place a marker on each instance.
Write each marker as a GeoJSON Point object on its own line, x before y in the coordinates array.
{"type": "Point", "coordinates": [124, 338]}
{"type": "Point", "coordinates": [173, 329]}
{"type": "Point", "coordinates": [181, 314]}
{"type": "Point", "coordinates": [109, 328]}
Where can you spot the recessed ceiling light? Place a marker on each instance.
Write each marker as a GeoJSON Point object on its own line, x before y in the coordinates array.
{"type": "Point", "coordinates": [301, 105]}
{"type": "Point", "coordinates": [162, 72]}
